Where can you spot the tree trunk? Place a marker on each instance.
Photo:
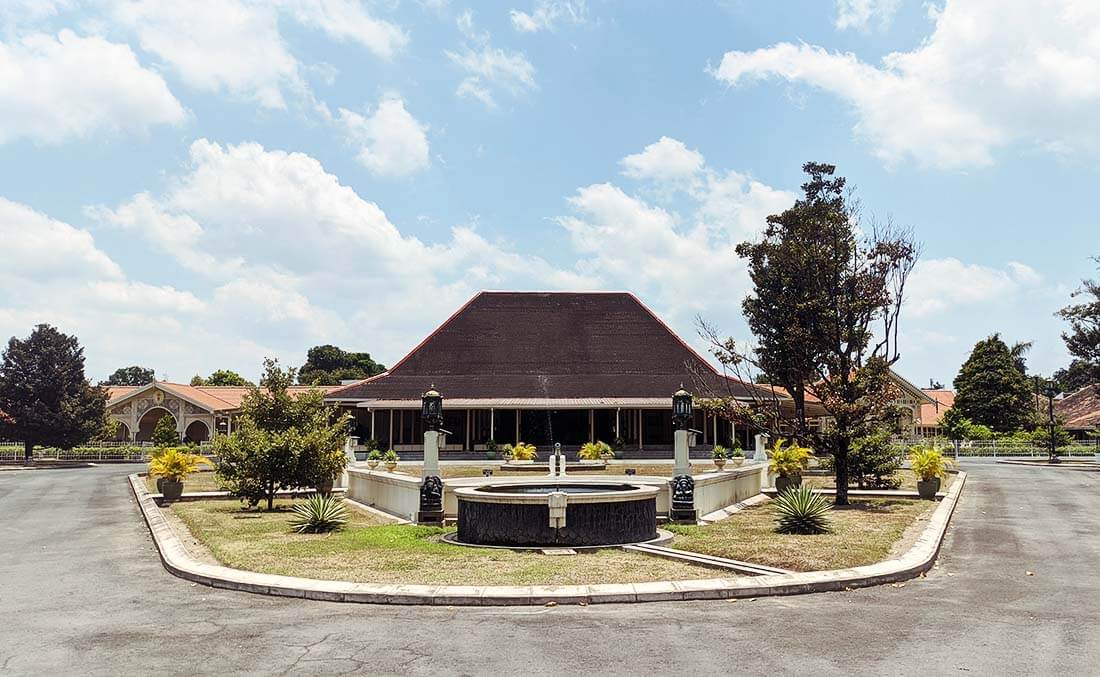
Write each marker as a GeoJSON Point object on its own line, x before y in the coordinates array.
{"type": "Point", "coordinates": [840, 458]}
{"type": "Point", "coordinates": [28, 452]}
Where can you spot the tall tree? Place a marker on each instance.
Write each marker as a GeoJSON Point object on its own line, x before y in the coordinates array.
{"type": "Point", "coordinates": [329, 365]}
{"type": "Point", "coordinates": [43, 391]}
{"type": "Point", "coordinates": [991, 390]}
{"type": "Point", "coordinates": [222, 377]}
{"type": "Point", "coordinates": [824, 308]}
{"type": "Point", "coordinates": [130, 376]}
{"type": "Point", "coordinates": [1083, 338]}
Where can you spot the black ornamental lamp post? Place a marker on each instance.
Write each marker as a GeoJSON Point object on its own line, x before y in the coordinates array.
{"type": "Point", "coordinates": [682, 409]}
{"type": "Point", "coordinates": [431, 409]}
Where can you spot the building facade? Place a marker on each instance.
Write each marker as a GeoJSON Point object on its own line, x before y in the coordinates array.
{"type": "Point", "coordinates": [544, 368]}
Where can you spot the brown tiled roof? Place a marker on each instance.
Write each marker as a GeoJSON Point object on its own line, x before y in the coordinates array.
{"type": "Point", "coordinates": [213, 398]}
{"type": "Point", "coordinates": [1080, 410]}
{"type": "Point", "coordinates": [546, 345]}
{"type": "Point", "coordinates": [930, 413]}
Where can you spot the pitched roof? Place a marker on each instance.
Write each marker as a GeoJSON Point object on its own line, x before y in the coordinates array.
{"type": "Point", "coordinates": [1080, 409]}
{"type": "Point", "coordinates": [211, 398]}
{"type": "Point", "coordinates": [931, 412]}
{"type": "Point", "coordinates": [546, 345]}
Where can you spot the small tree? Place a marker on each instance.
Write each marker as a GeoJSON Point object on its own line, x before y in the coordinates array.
{"type": "Point", "coordinates": [222, 377]}
{"type": "Point", "coordinates": [955, 426]}
{"type": "Point", "coordinates": [44, 394]}
{"type": "Point", "coordinates": [129, 376]}
{"type": "Point", "coordinates": [281, 441]}
{"type": "Point", "coordinates": [164, 432]}
{"type": "Point", "coordinates": [992, 390]}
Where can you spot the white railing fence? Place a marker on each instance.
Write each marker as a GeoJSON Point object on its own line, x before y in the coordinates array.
{"type": "Point", "coordinates": [999, 448]}
{"type": "Point", "coordinates": [100, 451]}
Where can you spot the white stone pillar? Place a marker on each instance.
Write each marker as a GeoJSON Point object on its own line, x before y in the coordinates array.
{"type": "Point", "coordinates": [761, 451]}
{"type": "Point", "coordinates": [431, 453]}
{"type": "Point", "coordinates": [492, 424]}
{"type": "Point", "coordinates": [682, 464]}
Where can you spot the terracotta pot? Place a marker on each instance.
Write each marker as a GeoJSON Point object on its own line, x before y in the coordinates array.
{"type": "Point", "coordinates": [784, 482]}
{"type": "Point", "coordinates": [927, 488]}
{"type": "Point", "coordinates": [171, 490]}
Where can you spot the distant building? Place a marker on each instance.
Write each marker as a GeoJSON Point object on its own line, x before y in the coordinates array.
{"type": "Point", "coordinates": [199, 411]}
{"type": "Point", "coordinates": [927, 423]}
{"type": "Point", "coordinates": [1079, 411]}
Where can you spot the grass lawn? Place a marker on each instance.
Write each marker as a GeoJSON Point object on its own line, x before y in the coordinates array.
{"type": "Point", "coordinates": [862, 533]}
{"type": "Point", "coordinates": [371, 552]}
{"type": "Point", "coordinates": [907, 477]}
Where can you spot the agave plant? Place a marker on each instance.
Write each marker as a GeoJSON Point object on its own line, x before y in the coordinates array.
{"type": "Point", "coordinates": [801, 511]}
{"type": "Point", "coordinates": [319, 514]}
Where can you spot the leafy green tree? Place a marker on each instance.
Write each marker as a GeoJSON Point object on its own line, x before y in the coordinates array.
{"type": "Point", "coordinates": [281, 441]}
{"type": "Point", "coordinates": [44, 393]}
{"type": "Point", "coordinates": [1083, 338]}
{"type": "Point", "coordinates": [222, 377]}
{"type": "Point", "coordinates": [873, 462]}
{"type": "Point", "coordinates": [991, 390]}
{"type": "Point", "coordinates": [130, 376]}
{"type": "Point", "coordinates": [824, 309]}
{"type": "Point", "coordinates": [955, 426]}
{"type": "Point", "coordinates": [329, 365]}
{"type": "Point", "coordinates": [164, 432]}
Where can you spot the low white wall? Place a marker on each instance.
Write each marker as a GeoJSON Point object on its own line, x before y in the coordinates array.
{"type": "Point", "coordinates": [714, 491]}
{"type": "Point", "coordinates": [394, 493]}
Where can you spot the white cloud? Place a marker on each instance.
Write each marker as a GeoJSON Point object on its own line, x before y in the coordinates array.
{"type": "Point", "coordinates": [547, 13]}
{"type": "Point", "coordinates": [992, 73]}
{"type": "Point", "coordinates": [860, 14]}
{"type": "Point", "coordinates": [236, 47]}
{"type": "Point", "coordinates": [53, 88]}
{"type": "Point", "coordinates": [663, 160]}
{"type": "Point", "coordinates": [937, 285]}
{"type": "Point", "coordinates": [488, 68]}
{"type": "Point", "coordinates": [40, 247]}
{"type": "Point", "coordinates": [392, 142]}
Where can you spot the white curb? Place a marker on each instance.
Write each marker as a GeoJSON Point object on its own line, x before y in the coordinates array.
{"type": "Point", "coordinates": [917, 560]}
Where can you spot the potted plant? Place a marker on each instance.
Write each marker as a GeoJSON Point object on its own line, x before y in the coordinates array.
{"type": "Point", "coordinates": [373, 458]}
{"type": "Point", "coordinates": [736, 457]}
{"type": "Point", "coordinates": [788, 460]}
{"type": "Point", "coordinates": [390, 458]}
{"type": "Point", "coordinates": [595, 451]}
{"type": "Point", "coordinates": [506, 452]}
{"type": "Point", "coordinates": [618, 447]}
{"type": "Point", "coordinates": [491, 450]}
{"type": "Point", "coordinates": [371, 445]}
{"type": "Point", "coordinates": [524, 453]}
{"type": "Point", "coordinates": [930, 466]}
{"type": "Point", "coordinates": [172, 466]}
{"type": "Point", "coordinates": [719, 455]}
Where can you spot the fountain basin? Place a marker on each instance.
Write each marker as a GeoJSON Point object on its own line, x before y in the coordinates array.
{"type": "Point", "coordinates": [519, 513]}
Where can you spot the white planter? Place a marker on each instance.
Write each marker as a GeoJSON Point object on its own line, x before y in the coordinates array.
{"type": "Point", "coordinates": [1096, 458]}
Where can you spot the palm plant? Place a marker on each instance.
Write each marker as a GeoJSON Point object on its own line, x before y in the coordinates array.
{"type": "Point", "coordinates": [928, 463]}
{"type": "Point", "coordinates": [594, 451]}
{"type": "Point", "coordinates": [801, 511]}
{"type": "Point", "coordinates": [319, 514]}
{"type": "Point", "coordinates": [524, 452]}
{"type": "Point", "coordinates": [175, 464]}
{"type": "Point", "coordinates": [789, 459]}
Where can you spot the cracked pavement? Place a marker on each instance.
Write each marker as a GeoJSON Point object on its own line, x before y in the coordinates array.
{"type": "Point", "coordinates": [82, 591]}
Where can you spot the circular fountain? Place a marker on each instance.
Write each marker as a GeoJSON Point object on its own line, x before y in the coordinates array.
{"type": "Point", "coordinates": [556, 512]}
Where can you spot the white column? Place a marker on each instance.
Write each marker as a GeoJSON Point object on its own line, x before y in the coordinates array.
{"type": "Point", "coordinates": [681, 465]}
{"type": "Point", "coordinates": [390, 440]}
{"type": "Point", "coordinates": [517, 426]}
{"type": "Point", "coordinates": [492, 424]}
{"type": "Point", "coordinates": [761, 452]}
{"type": "Point", "coordinates": [641, 427]}
{"type": "Point", "coordinates": [431, 453]}
{"type": "Point", "coordinates": [468, 447]}
{"type": "Point", "coordinates": [618, 430]}
{"type": "Point", "coordinates": [714, 430]}
{"type": "Point", "coordinates": [591, 425]}
{"type": "Point", "coordinates": [372, 435]}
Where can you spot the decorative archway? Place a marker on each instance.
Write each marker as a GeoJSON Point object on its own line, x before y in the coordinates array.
{"type": "Point", "coordinates": [148, 422]}
{"type": "Point", "coordinates": [197, 431]}
{"type": "Point", "coordinates": [122, 434]}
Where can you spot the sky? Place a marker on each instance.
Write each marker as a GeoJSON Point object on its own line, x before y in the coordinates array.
{"type": "Point", "coordinates": [195, 186]}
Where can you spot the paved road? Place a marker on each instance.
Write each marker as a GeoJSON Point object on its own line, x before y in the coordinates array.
{"type": "Point", "coordinates": [82, 592]}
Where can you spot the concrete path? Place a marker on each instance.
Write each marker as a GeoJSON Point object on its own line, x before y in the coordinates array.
{"type": "Point", "coordinates": [82, 592]}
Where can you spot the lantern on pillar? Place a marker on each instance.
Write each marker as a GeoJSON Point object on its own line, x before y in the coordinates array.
{"type": "Point", "coordinates": [431, 409]}
{"type": "Point", "coordinates": [682, 409]}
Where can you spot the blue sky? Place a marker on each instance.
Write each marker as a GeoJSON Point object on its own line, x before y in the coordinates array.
{"type": "Point", "coordinates": [195, 189]}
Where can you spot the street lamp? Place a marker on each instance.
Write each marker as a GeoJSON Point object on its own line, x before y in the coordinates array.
{"type": "Point", "coordinates": [431, 409]}
{"type": "Point", "coordinates": [682, 409]}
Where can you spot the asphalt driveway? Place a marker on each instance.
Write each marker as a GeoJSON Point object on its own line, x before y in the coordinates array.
{"type": "Point", "coordinates": [82, 592]}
